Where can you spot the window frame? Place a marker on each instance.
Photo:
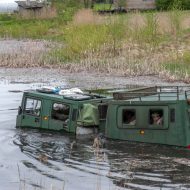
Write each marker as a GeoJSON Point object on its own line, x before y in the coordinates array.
{"type": "Point", "coordinates": [172, 116]}
{"type": "Point", "coordinates": [75, 114]}
{"type": "Point", "coordinates": [63, 121]}
{"type": "Point", "coordinates": [132, 110]}
{"type": "Point", "coordinates": [25, 103]}
{"type": "Point", "coordinates": [139, 109]}
{"type": "Point", "coordinates": [166, 121]}
{"type": "Point", "coordinates": [119, 117]}
{"type": "Point", "coordinates": [149, 117]}
{"type": "Point", "coordinates": [100, 111]}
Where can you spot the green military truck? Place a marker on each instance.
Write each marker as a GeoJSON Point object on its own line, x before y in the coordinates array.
{"type": "Point", "coordinates": [150, 114]}
{"type": "Point", "coordinates": [68, 113]}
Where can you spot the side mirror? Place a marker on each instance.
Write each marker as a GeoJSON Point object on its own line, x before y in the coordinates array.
{"type": "Point", "coordinates": [19, 110]}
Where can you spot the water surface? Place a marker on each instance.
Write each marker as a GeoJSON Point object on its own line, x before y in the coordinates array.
{"type": "Point", "coordinates": [32, 159]}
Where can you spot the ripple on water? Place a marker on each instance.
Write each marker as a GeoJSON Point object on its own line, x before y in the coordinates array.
{"type": "Point", "coordinates": [45, 159]}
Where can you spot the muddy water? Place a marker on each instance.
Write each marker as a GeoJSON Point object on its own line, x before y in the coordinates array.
{"type": "Point", "coordinates": [31, 159]}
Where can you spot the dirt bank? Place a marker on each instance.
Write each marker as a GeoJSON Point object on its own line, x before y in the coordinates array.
{"type": "Point", "coordinates": [23, 53]}
{"type": "Point", "coordinates": [23, 61]}
{"type": "Point", "coordinates": [82, 79]}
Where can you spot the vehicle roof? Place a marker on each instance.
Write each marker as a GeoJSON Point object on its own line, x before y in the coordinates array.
{"type": "Point", "coordinates": [153, 94]}
{"type": "Point", "coordinates": [87, 97]}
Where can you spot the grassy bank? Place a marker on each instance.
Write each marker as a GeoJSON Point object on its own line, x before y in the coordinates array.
{"type": "Point", "coordinates": [129, 44]}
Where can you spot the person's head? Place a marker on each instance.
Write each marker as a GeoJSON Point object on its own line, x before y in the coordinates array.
{"type": "Point", "coordinates": [155, 117]}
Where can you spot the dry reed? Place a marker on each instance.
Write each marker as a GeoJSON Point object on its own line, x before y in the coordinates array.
{"type": "Point", "coordinates": [129, 45]}
{"type": "Point", "coordinates": [87, 16]}
{"type": "Point", "coordinates": [45, 13]}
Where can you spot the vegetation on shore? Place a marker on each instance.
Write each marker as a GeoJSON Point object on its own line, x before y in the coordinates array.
{"type": "Point", "coordinates": [137, 43]}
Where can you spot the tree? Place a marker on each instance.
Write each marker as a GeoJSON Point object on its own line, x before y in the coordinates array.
{"type": "Point", "coordinates": [164, 4]}
{"type": "Point", "coordinates": [172, 4]}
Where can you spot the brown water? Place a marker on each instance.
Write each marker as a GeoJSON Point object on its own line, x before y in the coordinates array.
{"type": "Point", "coordinates": [32, 159]}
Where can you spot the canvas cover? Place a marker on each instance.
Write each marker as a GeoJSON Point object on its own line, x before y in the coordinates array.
{"type": "Point", "coordinates": [88, 115]}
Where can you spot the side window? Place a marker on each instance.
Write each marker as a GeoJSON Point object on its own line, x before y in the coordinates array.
{"type": "Point", "coordinates": [60, 112]}
{"type": "Point", "coordinates": [103, 110]}
{"type": "Point", "coordinates": [74, 114]}
{"type": "Point", "coordinates": [172, 115]}
{"type": "Point", "coordinates": [129, 117]}
{"type": "Point", "coordinates": [32, 106]}
{"type": "Point", "coordinates": [156, 117]}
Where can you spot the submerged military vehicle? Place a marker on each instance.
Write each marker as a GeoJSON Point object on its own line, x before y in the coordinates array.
{"type": "Point", "coordinates": [154, 115]}
{"type": "Point", "coordinates": [72, 112]}
{"type": "Point", "coordinates": [150, 114]}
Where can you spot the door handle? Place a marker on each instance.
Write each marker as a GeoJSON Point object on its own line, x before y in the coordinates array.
{"type": "Point", "coordinates": [37, 120]}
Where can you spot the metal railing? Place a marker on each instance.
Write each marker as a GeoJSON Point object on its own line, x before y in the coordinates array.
{"type": "Point", "coordinates": [159, 92]}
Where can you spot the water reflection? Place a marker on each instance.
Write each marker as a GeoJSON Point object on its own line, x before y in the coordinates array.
{"type": "Point", "coordinates": [53, 151]}
{"type": "Point", "coordinates": [127, 165]}
{"type": "Point", "coordinates": [45, 159]}
{"type": "Point", "coordinates": [149, 166]}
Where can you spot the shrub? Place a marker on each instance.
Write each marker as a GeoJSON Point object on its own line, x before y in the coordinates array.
{"type": "Point", "coordinates": [186, 4]}
{"type": "Point", "coordinates": [172, 4]}
{"type": "Point", "coordinates": [163, 4]}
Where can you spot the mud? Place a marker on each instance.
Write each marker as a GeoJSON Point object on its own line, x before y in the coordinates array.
{"type": "Point", "coordinates": [82, 80]}
{"type": "Point", "coordinates": [35, 160]}
{"type": "Point", "coordinates": [29, 53]}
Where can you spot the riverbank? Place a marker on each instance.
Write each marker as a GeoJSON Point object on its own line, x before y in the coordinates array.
{"type": "Point", "coordinates": [28, 61]}
{"type": "Point", "coordinates": [125, 45]}
{"type": "Point", "coordinates": [82, 80]}
{"type": "Point", "coordinates": [134, 44]}
{"type": "Point", "coordinates": [23, 61]}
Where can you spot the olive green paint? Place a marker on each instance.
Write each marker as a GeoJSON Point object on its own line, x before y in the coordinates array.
{"type": "Point", "coordinates": [47, 101]}
{"type": "Point", "coordinates": [171, 133]}
{"type": "Point", "coordinates": [174, 131]}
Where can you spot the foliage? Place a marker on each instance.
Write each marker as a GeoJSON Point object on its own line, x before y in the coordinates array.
{"type": "Point", "coordinates": [186, 4]}
{"type": "Point", "coordinates": [80, 39]}
{"type": "Point", "coordinates": [117, 32]}
{"type": "Point", "coordinates": [121, 3]}
{"type": "Point", "coordinates": [171, 4]}
{"type": "Point", "coordinates": [102, 7]}
{"type": "Point", "coordinates": [163, 4]}
{"type": "Point", "coordinates": [25, 28]}
{"type": "Point", "coordinates": [180, 66]}
{"type": "Point", "coordinates": [66, 9]}
{"type": "Point", "coordinates": [132, 43]}
{"type": "Point", "coordinates": [7, 17]}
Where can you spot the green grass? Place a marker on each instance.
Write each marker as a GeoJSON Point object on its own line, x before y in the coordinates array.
{"type": "Point", "coordinates": [180, 66]}
{"type": "Point", "coordinates": [124, 42]}
{"type": "Point", "coordinates": [103, 7]}
{"type": "Point", "coordinates": [26, 28]}
{"type": "Point", "coordinates": [11, 25]}
{"type": "Point", "coordinates": [80, 40]}
{"type": "Point", "coordinates": [87, 39]}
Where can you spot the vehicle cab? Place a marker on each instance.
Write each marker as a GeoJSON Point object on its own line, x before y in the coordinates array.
{"type": "Point", "coordinates": [41, 110]}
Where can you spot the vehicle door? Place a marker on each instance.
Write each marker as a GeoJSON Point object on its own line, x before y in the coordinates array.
{"type": "Point", "coordinates": [60, 116]}
{"type": "Point", "coordinates": [31, 115]}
